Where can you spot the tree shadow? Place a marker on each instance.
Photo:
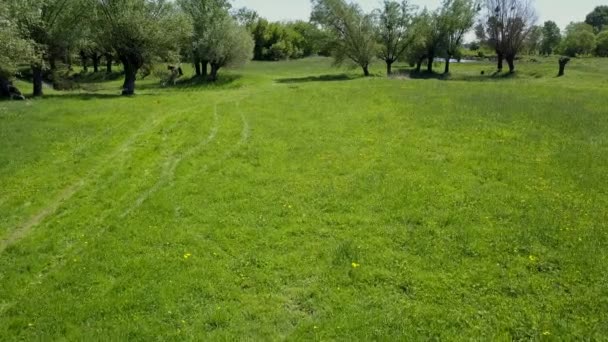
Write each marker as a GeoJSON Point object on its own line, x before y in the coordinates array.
{"type": "Point", "coordinates": [90, 96]}
{"type": "Point", "coordinates": [96, 77]}
{"type": "Point", "coordinates": [196, 82]}
{"type": "Point", "coordinates": [483, 76]}
{"type": "Point", "coordinates": [322, 78]}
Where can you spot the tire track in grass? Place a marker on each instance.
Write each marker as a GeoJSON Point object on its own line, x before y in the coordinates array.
{"type": "Point", "coordinates": [74, 248]}
{"type": "Point", "coordinates": [68, 192]}
{"type": "Point", "coordinates": [171, 165]}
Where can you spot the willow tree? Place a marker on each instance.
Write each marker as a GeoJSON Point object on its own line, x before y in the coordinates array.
{"type": "Point", "coordinates": [353, 36]}
{"type": "Point", "coordinates": [205, 15]}
{"type": "Point", "coordinates": [139, 31]}
{"type": "Point", "coordinates": [15, 49]}
{"type": "Point", "coordinates": [225, 44]}
{"type": "Point", "coordinates": [52, 25]}
{"type": "Point", "coordinates": [394, 26]}
{"type": "Point", "coordinates": [508, 24]}
{"type": "Point", "coordinates": [456, 17]}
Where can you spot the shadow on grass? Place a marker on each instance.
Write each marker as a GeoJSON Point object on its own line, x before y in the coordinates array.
{"type": "Point", "coordinates": [483, 76]}
{"type": "Point", "coordinates": [96, 77]}
{"type": "Point", "coordinates": [196, 82]}
{"type": "Point", "coordinates": [89, 96]}
{"type": "Point", "coordinates": [322, 78]}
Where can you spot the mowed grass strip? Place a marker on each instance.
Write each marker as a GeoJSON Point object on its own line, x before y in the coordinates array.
{"type": "Point", "coordinates": [303, 202]}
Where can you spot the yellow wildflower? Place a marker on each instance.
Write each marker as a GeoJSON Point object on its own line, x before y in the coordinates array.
{"type": "Point", "coordinates": [355, 265]}
{"type": "Point", "coordinates": [187, 256]}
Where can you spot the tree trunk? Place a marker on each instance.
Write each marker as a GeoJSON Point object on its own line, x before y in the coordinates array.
{"type": "Point", "coordinates": [447, 65]}
{"type": "Point", "coordinates": [37, 80]}
{"type": "Point", "coordinates": [205, 68]}
{"type": "Point", "coordinates": [96, 58]}
{"type": "Point", "coordinates": [197, 68]}
{"type": "Point", "coordinates": [500, 59]}
{"type": "Point", "coordinates": [511, 62]}
{"type": "Point", "coordinates": [429, 65]}
{"type": "Point", "coordinates": [389, 67]}
{"type": "Point", "coordinates": [108, 57]}
{"type": "Point", "coordinates": [52, 63]}
{"type": "Point", "coordinates": [419, 64]}
{"type": "Point", "coordinates": [131, 64]}
{"type": "Point", "coordinates": [214, 69]}
{"type": "Point", "coordinates": [365, 70]}
{"type": "Point", "coordinates": [83, 59]}
{"type": "Point", "coordinates": [562, 66]}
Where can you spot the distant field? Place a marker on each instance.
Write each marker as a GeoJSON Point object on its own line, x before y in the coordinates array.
{"type": "Point", "coordinates": [298, 201]}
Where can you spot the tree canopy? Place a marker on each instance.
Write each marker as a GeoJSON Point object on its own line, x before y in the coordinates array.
{"type": "Point", "coordinates": [352, 31]}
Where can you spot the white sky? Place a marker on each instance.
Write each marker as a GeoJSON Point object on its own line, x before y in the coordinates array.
{"type": "Point", "coordinates": [560, 11]}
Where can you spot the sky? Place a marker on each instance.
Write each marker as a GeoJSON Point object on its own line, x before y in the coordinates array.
{"type": "Point", "coordinates": [560, 11]}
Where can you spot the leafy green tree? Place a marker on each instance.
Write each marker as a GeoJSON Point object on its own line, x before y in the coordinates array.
{"type": "Point", "coordinates": [579, 40]}
{"type": "Point", "coordinates": [15, 49]}
{"type": "Point", "coordinates": [52, 25]}
{"type": "Point", "coordinates": [551, 37]}
{"type": "Point", "coordinates": [204, 15]}
{"type": "Point", "coordinates": [226, 44]}
{"type": "Point", "coordinates": [532, 43]}
{"type": "Point", "coordinates": [456, 17]}
{"type": "Point", "coordinates": [246, 17]}
{"type": "Point", "coordinates": [416, 52]}
{"type": "Point", "coordinates": [602, 44]}
{"type": "Point", "coordinates": [394, 30]}
{"type": "Point", "coordinates": [352, 31]}
{"type": "Point", "coordinates": [598, 19]}
{"type": "Point", "coordinates": [139, 31]}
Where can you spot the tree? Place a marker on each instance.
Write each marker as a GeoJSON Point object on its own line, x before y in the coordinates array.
{"type": "Point", "coordinates": [139, 31]}
{"type": "Point", "coordinates": [394, 30]}
{"type": "Point", "coordinates": [246, 17]}
{"type": "Point", "coordinates": [598, 19]}
{"type": "Point", "coordinates": [456, 18]}
{"type": "Point", "coordinates": [508, 24]}
{"type": "Point", "coordinates": [352, 31]}
{"type": "Point", "coordinates": [225, 43]}
{"type": "Point", "coordinates": [551, 37]}
{"type": "Point", "coordinates": [52, 25]}
{"type": "Point", "coordinates": [15, 49]}
{"type": "Point", "coordinates": [532, 43]}
{"type": "Point", "coordinates": [416, 52]}
{"type": "Point", "coordinates": [430, 28]}
{"type": "Point", "coordinates": [602, 44]}
{"type": "Point", "coordinates": [579, 40]}
{"type": "Point", "coordinates": [204, 14]}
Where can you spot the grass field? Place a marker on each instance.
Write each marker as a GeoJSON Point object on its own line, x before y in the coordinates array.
{"type": "Point", "coordinates": [295, 201]}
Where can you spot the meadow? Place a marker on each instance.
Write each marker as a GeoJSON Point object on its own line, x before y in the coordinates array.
{"type": "Point", "coordinates": [297, 201]}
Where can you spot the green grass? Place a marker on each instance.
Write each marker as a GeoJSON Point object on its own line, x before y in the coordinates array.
{"type": "Point", "coordinates": [296, 201]}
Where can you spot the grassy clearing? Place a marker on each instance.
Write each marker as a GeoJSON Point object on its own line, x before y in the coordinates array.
{"type": "Point", "coordinates": [295, 201]}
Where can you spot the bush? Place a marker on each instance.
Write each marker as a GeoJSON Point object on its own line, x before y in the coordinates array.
{"type": "Point", "coordinates": [602, 44]}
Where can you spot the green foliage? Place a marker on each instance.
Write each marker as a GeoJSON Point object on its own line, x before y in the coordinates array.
{"type": "Point", "coordinates": [394, 29]}
{"type": "Point", "coordinates": [551, 37]}
{"type": "Point", "coordinates": [579, 40]}
{"type": "Point", "coordinates": [141, 31]}
{"type": "Point", "coordinates": [285, 40]}
{"type": "Point", "coordinates": [598, 19]}
{"type": "Point", "coordinates": [602, 44]}
{"type": "Point", "coordinates": [15, 48]}
{"type": "Point", "coordinates": [225, 44]}
{"type": "Point", "coordinates": [456, 18]}
{"type": "Point", "coordinates": [533, 42]}
{"type": "Point", "coordinates": [352, 31]}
